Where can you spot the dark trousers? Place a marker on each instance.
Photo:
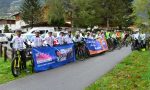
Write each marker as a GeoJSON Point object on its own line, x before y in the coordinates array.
{"type": "Point", "coordinates": [143, 44]}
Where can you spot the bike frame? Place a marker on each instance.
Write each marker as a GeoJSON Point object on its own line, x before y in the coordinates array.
{"type": "Point", "coordinates": [18, 56]}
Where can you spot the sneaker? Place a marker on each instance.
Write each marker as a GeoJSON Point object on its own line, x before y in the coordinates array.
{"type": "Point", "coordinates": [26, 70]}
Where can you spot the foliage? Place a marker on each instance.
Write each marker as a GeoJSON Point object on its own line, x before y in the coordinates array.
{"type": "Point", "coordinates": [56, 12]}
{"type": "Point", "coordinates": [96, 12]}
{"type": "Point", "coordinates": [31, 11]}
{"type": "Point", "coordinates": [141, 10]}
{"type": "Point", "coordinates": [131, 74]}
{"type": "Point", "coordinates": [114, 12]}
{"type": "Point", "coordinates": [84, 13]}
{"type": "Point", "coordinates": [6, 29]}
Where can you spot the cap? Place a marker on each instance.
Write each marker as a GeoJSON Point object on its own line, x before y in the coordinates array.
{"type": "Point", "coordinates": [18, 30]}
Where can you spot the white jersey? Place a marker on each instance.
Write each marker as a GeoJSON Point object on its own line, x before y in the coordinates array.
{"type": "Point", "coordinates": [89, 37]}
{"type": "Point", "coordinates": [61, 40]}
{"type": "Point", "coordinates": [37, 42]}
{"type": "Point", "coordinates": [143, 36]}
{"type": "Point", "coordinates": [68, 39]}
{"type": "Point", "coordinates": [49, 40]}
{"type": "Point", "coordinates": [79, 39]}
{"type": "Point", "coordinates": [136, 36]}
{"type": "Point", "coordinates": [18, 43]}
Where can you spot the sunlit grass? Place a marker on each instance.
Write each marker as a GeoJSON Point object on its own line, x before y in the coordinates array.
{"type": "Point", "coordinates": [131, 74]}
{"type": "Point", "coordinates": [5, 71]}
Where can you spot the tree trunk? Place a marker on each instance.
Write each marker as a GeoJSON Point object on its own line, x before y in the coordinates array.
{"type": "Point", "coordinates": [108, 24]}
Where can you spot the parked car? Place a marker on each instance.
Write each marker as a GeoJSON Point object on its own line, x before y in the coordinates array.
{"type": "Point", "coordinates": [9, 35]}
{"type": "Point", "coordinates": [3, 38]}
{"type": "Point", "coordinates": [42, 30]}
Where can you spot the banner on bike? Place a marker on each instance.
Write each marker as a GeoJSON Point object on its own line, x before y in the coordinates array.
{"type": "Point", "coordinates": [103, 43]}
{"type": "Point", "coordinates": [51, 57]}
{"type": "Point", "coordinates": [96, 46]}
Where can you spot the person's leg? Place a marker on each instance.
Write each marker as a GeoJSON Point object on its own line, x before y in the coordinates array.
{"type": "Point", "coordinates": [23, 59]}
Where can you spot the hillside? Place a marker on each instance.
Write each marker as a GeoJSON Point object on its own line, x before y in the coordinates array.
{"type": "Point", "coordinates": [8, 6]}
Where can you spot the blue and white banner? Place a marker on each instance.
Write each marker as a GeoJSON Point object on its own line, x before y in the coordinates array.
{"type": "Point", "coordinates": [51, 57]}
{"type": "Point", "coordinates": [95, 46]}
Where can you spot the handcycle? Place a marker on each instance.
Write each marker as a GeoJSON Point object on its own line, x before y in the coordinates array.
{"type": "Point", "coordinates": [17, 63]}
{"type": "Point", "coordinates": [81, 50]}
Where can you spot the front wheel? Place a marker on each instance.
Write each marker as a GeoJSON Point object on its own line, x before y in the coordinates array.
{"type": "Point", "coordinates": [15, 67]}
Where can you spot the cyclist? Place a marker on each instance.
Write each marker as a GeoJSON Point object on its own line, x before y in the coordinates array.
{"type": "Point", "coordinates": [89, 35]}
{"type": "Point", "coordinates": [49, 40]}
{"type": "Point", "coordinates": [61, 38]}
{"type": "Point", "coordinates": [136, 40]}
{"type": "Point", "coordinates": [37, 40]}
{"type": "Point", "coordinates": [69, 38]}
{"type": "Point", "coordinates": [143, 40]}
{"type": "Point", "coordinates": [18, 43]}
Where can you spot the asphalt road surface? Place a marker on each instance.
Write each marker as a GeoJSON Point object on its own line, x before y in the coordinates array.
{"type": "Point", "coordinates": [74, 76]}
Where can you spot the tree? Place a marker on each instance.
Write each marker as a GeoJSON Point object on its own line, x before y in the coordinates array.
{"type": "Point", "coordinates": [31, 11]}
{"type": "Point", "coordinates": [141, 12]}
{"type": "Point", "coordinates": [56, 13]}
{"type": "Point", "coordinates": [115, 12]}
{"type": "Point", "coordinates": [84, 13]}
{"type": "Point", "coordinates": [6, 29]}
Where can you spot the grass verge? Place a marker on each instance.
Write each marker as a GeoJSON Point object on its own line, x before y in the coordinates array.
{"type": "Point", "coordinates": [5, 72]}
{"type": "Point", "coordinates": [131, 74]}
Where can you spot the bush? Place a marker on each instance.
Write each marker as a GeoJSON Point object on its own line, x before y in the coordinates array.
{"type": "Point", "coordinates": [6, 29]}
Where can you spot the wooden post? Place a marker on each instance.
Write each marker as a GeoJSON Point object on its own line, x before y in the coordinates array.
{"type": "Point", "coordinates": [5, 54]}
{"type": "Point", "coordinates": [0, 49]}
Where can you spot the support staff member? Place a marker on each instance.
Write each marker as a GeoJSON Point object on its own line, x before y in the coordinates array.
{"type": "Point", "coordinates": [18, 43]}
{"type": "Point", "coordinates": [49, 40]}
{"type": "Point", "coordinates": [69, 38]}
{"type": "Point", "coordinates": [37, 40]}
{"type": "Point", "coordinates": [61, 38]}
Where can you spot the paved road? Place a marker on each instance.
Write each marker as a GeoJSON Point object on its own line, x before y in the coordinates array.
{"type": "Point", "coordinates": [74, 76]}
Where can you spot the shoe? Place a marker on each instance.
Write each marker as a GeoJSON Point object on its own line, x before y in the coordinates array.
{"type": "Point", "coordinates": [26, 70]}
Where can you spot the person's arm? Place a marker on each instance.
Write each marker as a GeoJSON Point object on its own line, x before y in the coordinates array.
{"type": "Point", "coordinates": [11, 43]}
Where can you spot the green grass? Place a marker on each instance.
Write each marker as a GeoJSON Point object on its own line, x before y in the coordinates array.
{"type": "Point", "coordinates": [131, 74]}
{"type": "Point", "coordinates": [5, 72]}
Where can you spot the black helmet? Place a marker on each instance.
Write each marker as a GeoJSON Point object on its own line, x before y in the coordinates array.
{"type": "Point", "coordinates": [18, 30]}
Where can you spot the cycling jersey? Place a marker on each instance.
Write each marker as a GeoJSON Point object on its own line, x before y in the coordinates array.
{"type": "Point", "coordinates": [143, 36]}
{"type": "Point", "coordinates": [49, 40]}
{"type": "Point", "coordinates": [37, 41]}
{"type": "Point", "coordinates": [18, 43]}
{"type": "Point", "coordinates": [68, 39]}
{"type": "Point", "coordinates": [61, 40]}
{"type": "Point", "coordinates": [79, 39]}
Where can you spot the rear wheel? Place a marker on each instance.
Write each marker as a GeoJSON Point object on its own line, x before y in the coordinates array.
{"type": "Point", "coordinates": [15, 67]}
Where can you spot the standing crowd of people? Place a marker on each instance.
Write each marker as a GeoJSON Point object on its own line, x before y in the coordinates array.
{"type": "Point", "coordinates": [114, 39]}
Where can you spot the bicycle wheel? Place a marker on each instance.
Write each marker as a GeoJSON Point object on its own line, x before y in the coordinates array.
{"type": "Point", "coordinates": [15, 67]}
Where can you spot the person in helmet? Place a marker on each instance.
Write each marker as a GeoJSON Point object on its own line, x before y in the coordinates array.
{"type": "Point", "coordinates": [61, 38]}
{"type": "Point", "coordinates": [49, 40]}
{"type": "Point", "coordinates": [37, 41]}
{"type": "Point", "coordinates": [18, 44]}
{"type": "Point", "coordinates": [68, 38]}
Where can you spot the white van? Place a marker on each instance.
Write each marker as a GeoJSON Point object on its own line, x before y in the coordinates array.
{"type": "Point", "coordinates": [42, 30]}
